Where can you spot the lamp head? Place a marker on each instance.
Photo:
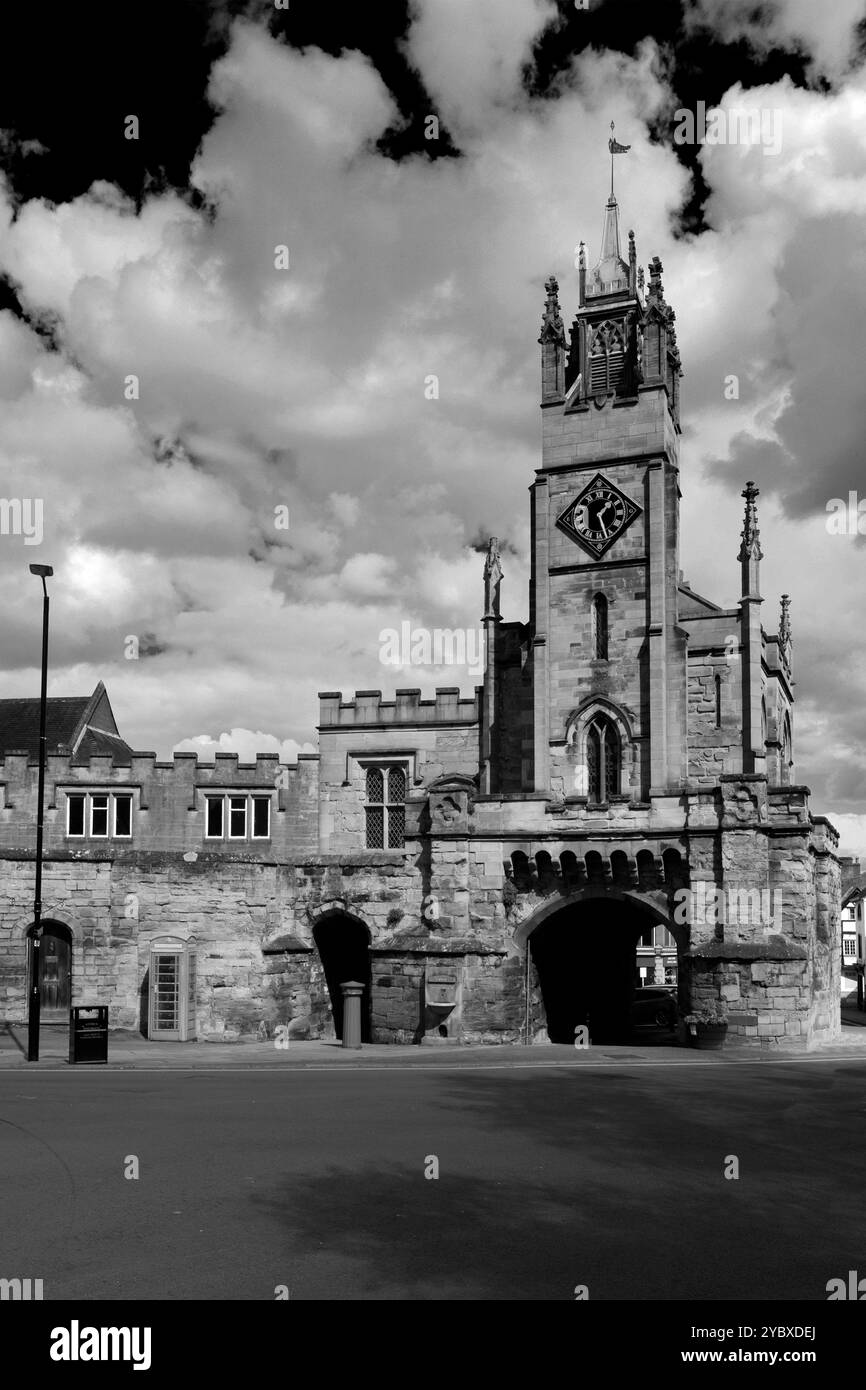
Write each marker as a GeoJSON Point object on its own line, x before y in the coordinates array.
{"type": "Point", "coordinates": [45, 571]}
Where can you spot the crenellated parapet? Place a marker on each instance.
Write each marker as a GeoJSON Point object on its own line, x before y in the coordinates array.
{"type": "Point", "coordinates": [368, 709]}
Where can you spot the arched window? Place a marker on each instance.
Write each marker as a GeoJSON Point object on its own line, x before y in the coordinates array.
{"type": "Point", "coordinates": [764, 721]}
{"type": "Point", "coordinates": [787, 752]}
{"type": "Point", "coordinates": [602, 759]}
{"type": "Point", "coordinates": [606, 360]}
{"type": "Point", "coordinates": [599, 627]}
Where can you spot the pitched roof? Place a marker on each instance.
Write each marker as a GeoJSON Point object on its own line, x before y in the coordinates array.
{"type": "Point", "coordinates": [76, 724]}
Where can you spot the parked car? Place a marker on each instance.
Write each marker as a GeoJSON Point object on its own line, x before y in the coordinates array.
{"type": "Point", "coordinates": [652, 1004]}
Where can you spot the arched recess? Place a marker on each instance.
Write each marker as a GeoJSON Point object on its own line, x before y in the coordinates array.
{"type": "Point", "coordinates": [343, 943]}
{"type": "Point", "coordinates": [55, 970]}
{"type": "Point", "coordinates": [588, 747]}
{"type": "Point", "coordinates": [582, 963]}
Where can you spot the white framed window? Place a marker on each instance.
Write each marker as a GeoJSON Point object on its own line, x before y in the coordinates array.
{"type": "Point", "coordinates": [99, 815]}
{"type": "Point", "coordinates": [237, 816]}
{"type": "Point", "coordinates": [76, 811]}
{"type": "Point", "coordinates": [849, 947]}
{"type": "Point", "coordinates": [122, 827]}
{"type": "Point", "coordinates": [261, 817]}
{"type": "Point", "coordinates": [213, 828]}
{"type": "Point", "coordinates": [385, 785]}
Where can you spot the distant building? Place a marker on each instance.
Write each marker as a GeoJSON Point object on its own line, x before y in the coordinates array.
{"type": "Point", "coordinates": [613, 806]}
{"type": "Point", "coordinates": [853, 894]}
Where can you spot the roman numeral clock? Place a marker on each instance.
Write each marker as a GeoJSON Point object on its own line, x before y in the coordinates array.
{"type": "Point", "coordinates": [598, 516]}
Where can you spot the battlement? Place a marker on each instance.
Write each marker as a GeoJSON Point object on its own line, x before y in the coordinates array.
{"type": "Point", "coordinates": [144, 767]}
{"type": "Point", "coordinates": [407, 709]}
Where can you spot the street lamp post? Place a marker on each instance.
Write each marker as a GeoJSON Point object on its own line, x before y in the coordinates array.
{"type": "Point", "coordinates": [44, 572]}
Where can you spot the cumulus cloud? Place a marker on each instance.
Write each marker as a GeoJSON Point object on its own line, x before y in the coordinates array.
{"type": "Point", "coordinates": [824, 34]}
{"type": "Point", "coordinates": [302, 391]}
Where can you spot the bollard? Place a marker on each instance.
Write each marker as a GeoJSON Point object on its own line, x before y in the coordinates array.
{"type": "Point", "coordinates": [352, 991]}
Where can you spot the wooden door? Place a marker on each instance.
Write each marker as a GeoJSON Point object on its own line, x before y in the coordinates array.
{"type": "Point", "coordinates": [54, 974]}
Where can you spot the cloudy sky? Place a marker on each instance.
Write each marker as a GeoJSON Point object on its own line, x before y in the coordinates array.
{"type": "Point", "coordinates": [303, 388]}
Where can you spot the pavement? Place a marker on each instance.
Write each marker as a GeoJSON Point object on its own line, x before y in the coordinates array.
{"type": "Point", "coordinates": [675, 1177]}
{"type": "Point", "coordinates": [129, 1051]}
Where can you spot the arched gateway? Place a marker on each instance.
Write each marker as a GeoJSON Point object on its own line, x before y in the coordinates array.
{"type": "Point", "coordinates": [582, 963]}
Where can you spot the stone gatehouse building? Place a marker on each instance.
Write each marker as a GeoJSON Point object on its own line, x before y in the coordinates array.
{"type": "Point", "coordinates": [502, 866]}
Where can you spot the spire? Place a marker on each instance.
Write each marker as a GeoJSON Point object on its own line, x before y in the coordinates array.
{"type": "Point", "coordinates": [750, 547]}
{"type": "Point", "coordinates": [750, 554]}
{"type": "Point", "coordinates": [552, 329]}
{"type": "Point", "coordinates": [552, 340]}
{"type": "Point", "coordinates": [610, 272]}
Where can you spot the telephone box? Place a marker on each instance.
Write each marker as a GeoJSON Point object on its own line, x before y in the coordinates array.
{"type": "Point", "coordinates": [172, 977]}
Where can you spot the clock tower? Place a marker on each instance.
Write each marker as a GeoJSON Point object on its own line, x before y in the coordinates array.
{"type": "Point", "coordinates": [608, 656]}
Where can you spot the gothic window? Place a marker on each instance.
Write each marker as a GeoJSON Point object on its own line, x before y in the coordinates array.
{"type": "Point", "coordinates": [602, 758]}
{"type": "Point", "coordinates": [385, 809]}
{"type": "Point", "coordinates": [599, 627]}
{"type": "Point", "coordinates": [787, 754]}
{"type": "Point", "coordinates": [606, 360]}
{"type": "Point", "coordinates": [718, 684]}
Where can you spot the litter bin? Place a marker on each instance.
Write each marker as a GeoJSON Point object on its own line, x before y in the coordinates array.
{"type": "Point", "coordinates": [88, 1034]}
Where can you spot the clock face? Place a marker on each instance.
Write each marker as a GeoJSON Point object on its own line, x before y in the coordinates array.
{"type": "Point", "coordinates": [598, 515]}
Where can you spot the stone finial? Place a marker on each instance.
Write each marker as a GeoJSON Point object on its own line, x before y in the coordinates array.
{"type": "Point", "coordinates": [552, 329]}
{"type": "Point", "coordinates": [750, 547]}
{"type": "Point", "coordinates": [785, 625]}
{"type": "Point", "coordinates": [581, 256]}
{"type": "Point", "coordinates": [641, 278]}
{"type": "Point", "coordinates": [492, 579]}
{"type": "Point", "coordinates": [656, 288]}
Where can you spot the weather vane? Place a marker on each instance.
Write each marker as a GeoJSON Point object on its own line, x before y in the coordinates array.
{"type": "Point", "coordinates": [615, 148]}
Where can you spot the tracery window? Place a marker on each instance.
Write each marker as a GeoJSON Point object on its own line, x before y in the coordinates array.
{"type": "Point", "coordinates": [603, 759]}
{"type": "Point", "coordinates": [385, 805]}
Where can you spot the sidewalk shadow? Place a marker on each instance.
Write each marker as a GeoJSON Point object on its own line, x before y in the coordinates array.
{"type": "Point", "coordinates": [8, 1031]}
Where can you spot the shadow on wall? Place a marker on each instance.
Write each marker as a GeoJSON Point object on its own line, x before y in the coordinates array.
{"type": "Point", "coordinates": [143, 1004]}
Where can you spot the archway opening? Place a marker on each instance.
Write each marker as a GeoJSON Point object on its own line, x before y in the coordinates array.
{"type": "Point", "coordinates": [586, 962]}
{"type": "Point", "coordinates": [55, 971]}
{"type": "Point", "coordinates": [343, 944]}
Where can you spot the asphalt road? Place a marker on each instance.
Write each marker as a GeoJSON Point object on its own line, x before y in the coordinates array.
{"type": "Point", "coordinates": [548, 1178]}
